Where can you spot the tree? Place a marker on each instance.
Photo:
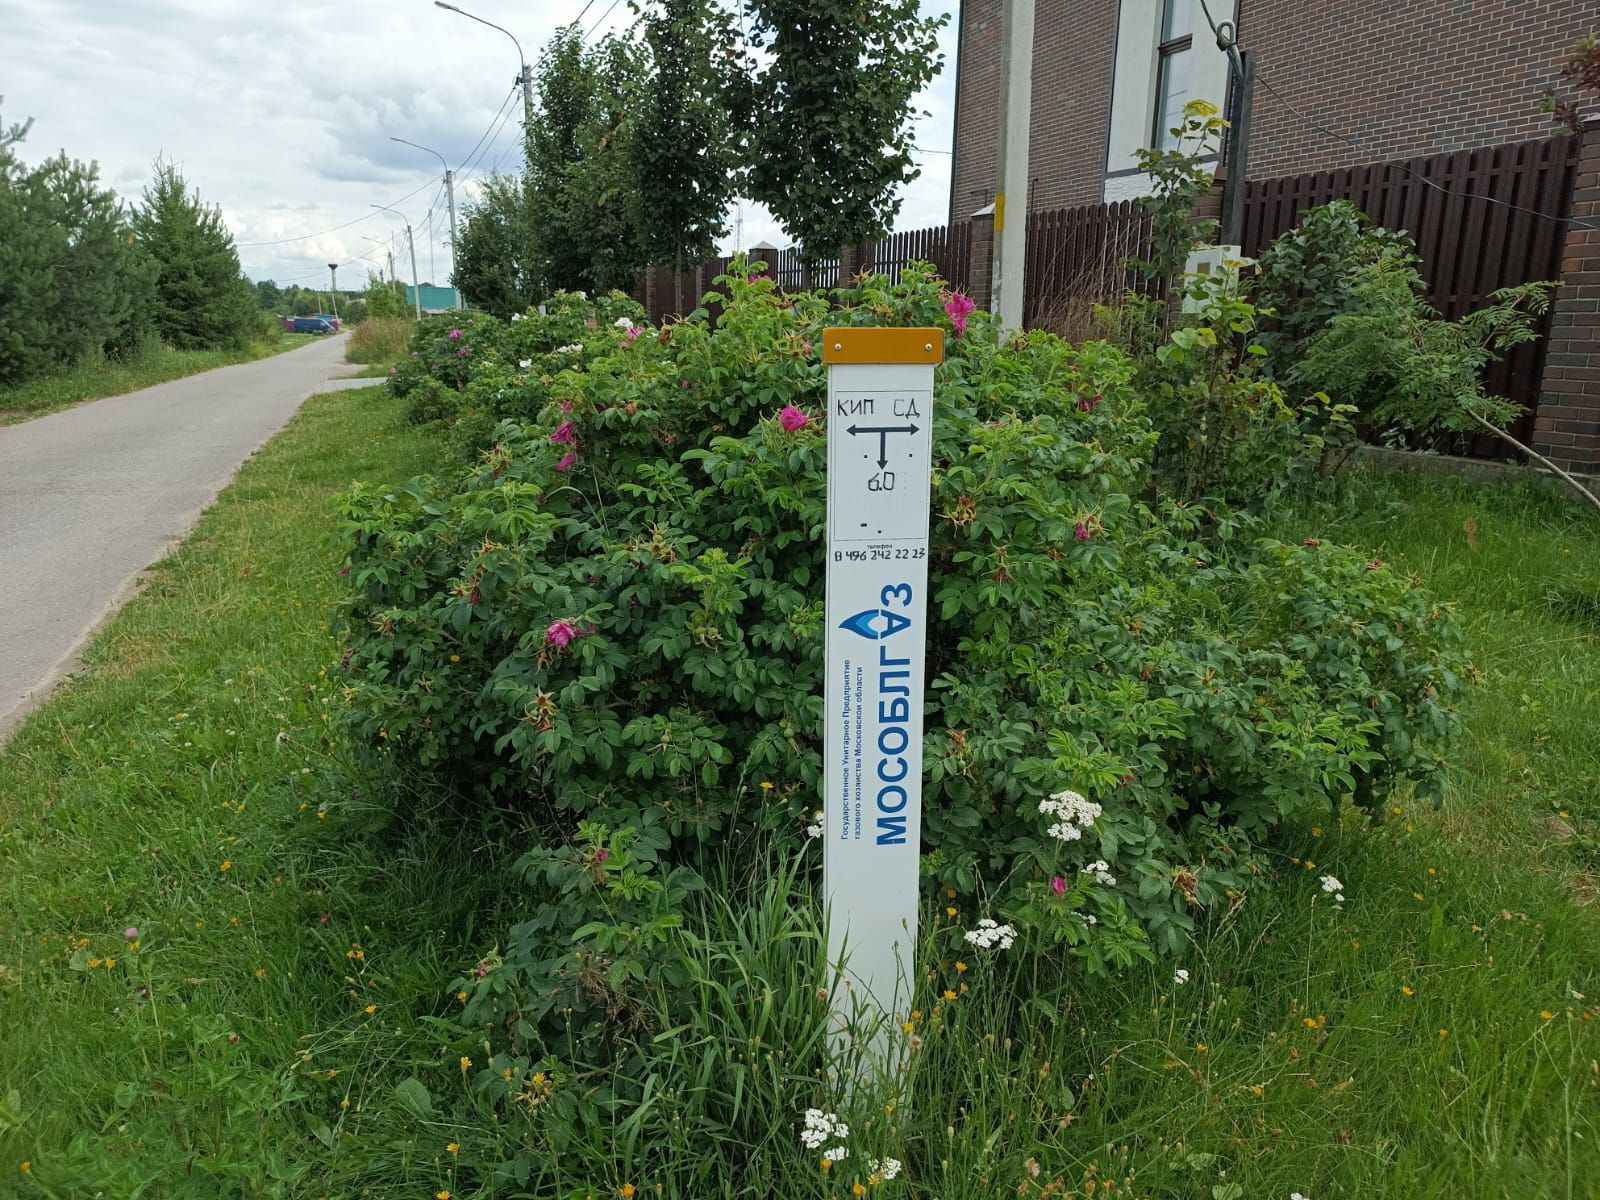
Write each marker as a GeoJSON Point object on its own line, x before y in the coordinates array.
{"type": "Point", "coordinates": [384, 299]}
{"type": "Point", "coordinates": [201, 299]}
{"type": "Point", "coordinates": [683, 147]}
{"type": "Point", "coordinates": [269, 295]}
{"type": "Point", "coordinates": [581, 185]}
{"type": "Point", "coordinates": [500, 257]}
{"type": "Point", "coordinates": [72, 283]}
{"type": "Point", "coordinates": [830, 117]}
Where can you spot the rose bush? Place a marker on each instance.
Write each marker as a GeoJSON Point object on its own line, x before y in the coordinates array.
{"type": "Point", "coordinates": [614, 616]}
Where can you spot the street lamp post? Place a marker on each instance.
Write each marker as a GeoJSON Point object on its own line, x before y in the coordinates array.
{"type": "Point", "coordinates": [411, 245]}
{"type": "Point", "coordinates": [450, 194]}
{"type": "Point", "coordinates": [526, 75]}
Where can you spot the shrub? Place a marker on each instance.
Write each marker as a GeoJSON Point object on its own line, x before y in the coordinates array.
{"type": "Point", "coordinates": [615, 618]}
{"type": "Point", "coordinates": [1308, 276]}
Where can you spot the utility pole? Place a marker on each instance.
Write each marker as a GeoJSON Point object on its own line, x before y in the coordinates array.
{"type": "Point", "coordinates": [333, 288]}
{"type": "Point", "coordinates": [450, 193]}
{"type": "Point", "coordinates": [411, 245]}
{"type": "Point", "coordinates": [525, 77]}
{"type": "Point", "coordinates": [1011, 163]}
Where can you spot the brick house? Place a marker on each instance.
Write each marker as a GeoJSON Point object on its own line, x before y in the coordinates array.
{"type": "Point", "coordinates": [1402, 80]}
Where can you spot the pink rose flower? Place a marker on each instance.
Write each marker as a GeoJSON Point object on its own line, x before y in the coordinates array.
{"type": "Point", "coordinates": [568, 461]}
{"type": "Point", "coordinates": [631, 336]}
{"type": "Point", "coordinates": [958, 307]}
{"type": "Point", "coordinates": [792, 419]}
{"type": "Point", "coordinates": [1089, 405]}
{"type": "Point", "coordinates": [1058, 885]}
{"type": "Point", "coordinates": [1082, 532]}
{"type": "Point", "coordinates": [564, 433]}
{"type": "Point", "coordinates": [455, 335]}
{"type": "Point", "coordinates": [561, 634]}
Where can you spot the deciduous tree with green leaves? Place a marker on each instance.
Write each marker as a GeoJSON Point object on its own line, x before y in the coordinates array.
{"type": "Point", "coordinates": [684, 142]}
{"type": "Point", "coordinates": [830, 114]}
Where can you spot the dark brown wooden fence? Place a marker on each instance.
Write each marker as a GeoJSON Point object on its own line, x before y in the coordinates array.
{"type": "Point", "coordinates": [1482, 220]}
{"type": "Point", "coordinates": [1077, 258]}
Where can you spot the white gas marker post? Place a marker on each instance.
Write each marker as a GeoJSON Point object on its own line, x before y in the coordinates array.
{"type": "Point", "coordinates": [880, 450]}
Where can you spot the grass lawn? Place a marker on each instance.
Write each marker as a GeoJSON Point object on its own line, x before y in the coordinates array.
{"type": "Point", "coordinates": [109, 378]}
{"type": "Point", "coordinates": [299, 922]}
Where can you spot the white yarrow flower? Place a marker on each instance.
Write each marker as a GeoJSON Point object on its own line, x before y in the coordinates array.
{"type": "Point", "coordinates": [988, 935]}
{"type": "Point", "coordinates": [1334, 888]}
{"type": "Point", "coordinates": [1180, 976]}
{"type": "Point", "coordinates": [884, 1168]}
{"type": "Point", "coordinates": [836, 1153]}
{"type": "Point", "coordinates": [1074, 815]}
{"type": "Point", "coordinates": [1100, 872]}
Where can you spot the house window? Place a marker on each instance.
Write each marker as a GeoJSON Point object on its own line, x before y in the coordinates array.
{"type": "Point", "coordinates": [1172, 71]}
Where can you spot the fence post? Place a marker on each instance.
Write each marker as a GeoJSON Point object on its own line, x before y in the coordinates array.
{"type": "Point", "coordinates": [849, 265]}
{"type": "Point", "coordinates": [1566, 425]}
{"type": "Point", "coordinates": [980, 267]}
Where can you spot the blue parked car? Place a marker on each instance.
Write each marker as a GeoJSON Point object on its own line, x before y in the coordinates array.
{"type": "Point", "coordinates": [312, 325]}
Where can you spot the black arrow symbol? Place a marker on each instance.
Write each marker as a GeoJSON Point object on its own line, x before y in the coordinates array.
{"type": "Point", "coordinates": [883, 432]}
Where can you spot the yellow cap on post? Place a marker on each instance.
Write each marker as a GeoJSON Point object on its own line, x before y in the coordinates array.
{"type": "Point", "coordinates": [865, 344]}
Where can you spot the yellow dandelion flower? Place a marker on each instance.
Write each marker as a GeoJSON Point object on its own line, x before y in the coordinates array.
{"type": "Point", "coordinates": [949, 994]}
{"type": "Point", "coordinates": [26, 1167]}
{"type": "Point", "coordinates": [766, 785]}
{"type": "Point", "coordinates": [1444, 1033]}
{"type": "Point", "coordinates": [961, 968]}
{"type": "Point", "coordinates": [261, 972]}
{"type": "Point", "coordinates": [1405, 990]}
{"type": "Point", "coordinates": [1316, 831]}
{"type": "Point", "coordinates": [506, 1074]}
{"type": "Point", "coordinates": [110, 962]}
{"type": "Point", "coordinates": [857, 1190]}
{"type": "Point", "coordinates": [827, 1164]}
{"type": "Point", "coordinates": [538, 1078]}
{"type": "Point", "coordinates": [1201, 1048]}
{"type": "Point", "coordinates": [1309, 1022]}
{"type": "Point", "coordinates": [950, 912]}
{"type": "Point", "coordinates": [908, 1027]}
{"type": "Point", "coordinates": [442, 1194]}
{"type": "Point", "coordinates": [466, 1063]}
{"type": "Point", "coordinates": [1257, 1090]}
{"type": "Point", "coordinates": [233, 920]}
{"type": "Point", "coordinates": [1417, 896]}
{"type": "Point", "coordinates": [1431, 871]}
{"type": "Point", "coordinates": [461, 996]}
{"type": "Point", "coordinates": [93, 963]}
{"type": "Point", "coordinates": [1546, 1015]}
{"type": "Point", "coordinates": [453, 1148]}
{"type": "Point", "coordinates": [626, 1191]}
{"type": "Point", "coordinates": [370, 1009]}
{"type": "Point", "coordinates": [227, 864]}
{"type": "Point", "coordinates": [455, 658]}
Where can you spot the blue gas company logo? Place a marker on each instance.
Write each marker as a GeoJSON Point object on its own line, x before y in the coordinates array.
{"type": "Point", "coordinates": [875, 624]}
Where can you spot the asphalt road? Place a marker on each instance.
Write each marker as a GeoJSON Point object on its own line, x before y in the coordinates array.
{"type": "Point", "coordinates": [91, 496]}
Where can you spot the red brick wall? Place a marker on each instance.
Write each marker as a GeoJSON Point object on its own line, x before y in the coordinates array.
{"type": "Point", "coordinates": [1404, 77]}
{"type": "Point", "coordinates": [1074, 43]}
{"type": "Point", "coordinates": [1410, 78]}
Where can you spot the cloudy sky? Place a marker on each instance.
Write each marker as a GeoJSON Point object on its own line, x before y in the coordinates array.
{"type": "Point", "coordinates": [281, 112]}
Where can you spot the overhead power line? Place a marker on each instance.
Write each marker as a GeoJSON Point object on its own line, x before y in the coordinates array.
{"type": "Point", "coordinates": [356, 221]}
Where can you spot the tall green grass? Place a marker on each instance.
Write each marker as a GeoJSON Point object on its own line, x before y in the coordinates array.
{"type": "Point", "coordinates": [283, 1027]}
{"type": "Point", "coordinates": [379, 340]}
{"type": "Point", "coordinates": [101, 376]}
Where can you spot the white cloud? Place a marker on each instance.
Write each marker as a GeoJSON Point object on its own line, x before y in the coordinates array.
{"type": "Point", "coordinates": [282, 113]}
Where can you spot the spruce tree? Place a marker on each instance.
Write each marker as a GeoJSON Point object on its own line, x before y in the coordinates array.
{"type": "Point", "coordinates": [201, 300]}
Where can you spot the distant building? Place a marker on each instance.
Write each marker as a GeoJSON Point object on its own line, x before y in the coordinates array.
{"type": "Point", "coordinates": [434, 299]}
